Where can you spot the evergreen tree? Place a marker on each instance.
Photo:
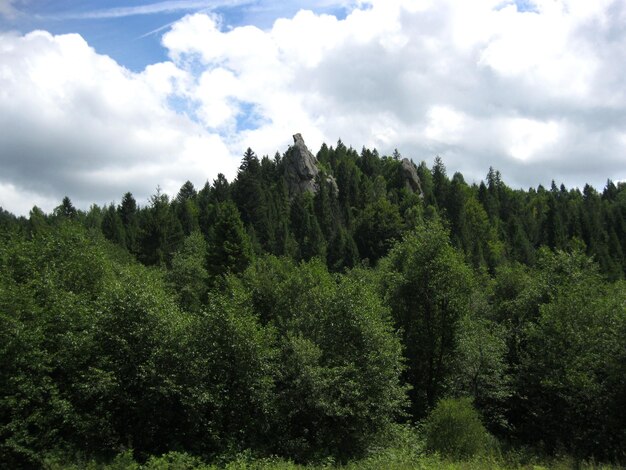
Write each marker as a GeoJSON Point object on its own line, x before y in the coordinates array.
{"type": "Point", "coordinates": [251, 199]}
{"type": "Point", "coordinates": [229, 249]}
{"type": "Point", "coordinates": [188, 275]}
{"type": "Point", "coordinates": [305, 228]}
{"type": "Point", "coordinates": [160, 231]}
{"type": "Point", "coordinates": [128, 213]}
{"type": "Point", "coordinates": [220, 191]}
{"type": "Point", "coordinates": [186, 208]}
{"type": "Point", "coordinates": [378, 228]}
{"type": "Point", "coordinates": [66, 209]}
{"type": "Point", "coordinates": [112, 226]}
{"type": "Point", "coordinates": [441, 183]}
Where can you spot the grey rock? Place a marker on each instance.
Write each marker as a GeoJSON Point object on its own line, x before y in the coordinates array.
{"type": "Point", "coordinates": [411, 178]}
{"type": "Point", "coordinates": [300, 168]}
{"type": "Point", "coordinates": [334, 189]}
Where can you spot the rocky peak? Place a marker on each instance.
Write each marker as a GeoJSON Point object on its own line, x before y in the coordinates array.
{"type": "Point", "coordinates": [300, 168]}
{"type": "Point", "coordinates": [411, 178]}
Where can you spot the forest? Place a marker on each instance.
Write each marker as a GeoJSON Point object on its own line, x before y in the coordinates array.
{"type": "Point", "coordinates": [371, 314]}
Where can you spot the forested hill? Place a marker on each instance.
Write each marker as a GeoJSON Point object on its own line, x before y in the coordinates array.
{"type": "Point", "coordinates": [313, 308]}
{"type": "Point", "coordinates": [346, 207]}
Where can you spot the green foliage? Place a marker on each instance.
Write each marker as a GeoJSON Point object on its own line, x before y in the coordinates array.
{"type": "Point", "coordinates": [66, 209]}
{"type": "Point", "coordinates": [306, 229]}
{"type": "Point", "coordinates": [568, 362]}
{"type": "Point", "coordinates": [228, 381]}
{"type": "Point", "coordinates": [175, 461]}
{"type": "Point", "coordinates": [161, 231]}
{"type": "Point", "coordinates": [229, 248]}
{"type": "Point", "coordinates": [188, 275]}
{"type": "Point", "coordinates": [512, 298]}
{"type": "Point", "coordinates": [453, 428]}
{"type": "Point", "coordinates": [480, 368]}
{"type": "Point", "coordinates": [339, 364]}
{"type": "Point", "coordinates": [112, 226]}
{"type": "Point", "coordinates": [428, 287]}
{"type": "Point", "coordinates": [378, 228]}
{"type": "Point", "coordinates": [128, 213]}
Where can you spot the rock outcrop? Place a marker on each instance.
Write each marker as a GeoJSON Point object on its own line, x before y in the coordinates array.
{"type": "Point", "coordinates": [301, 169]}
{"type": "Point", "coordinates": [411, 178]}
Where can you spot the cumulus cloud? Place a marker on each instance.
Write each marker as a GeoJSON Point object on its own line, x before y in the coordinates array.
{"type": "Point", "coordinates": [75, 122]}
{"type": "Point", "coordinates": [533, 89]}
{"type": "Point", "coordinates": [484, 83]}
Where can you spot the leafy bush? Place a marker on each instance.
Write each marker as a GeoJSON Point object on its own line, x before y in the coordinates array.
{"type": "Point", "coordinates": [454, 429]}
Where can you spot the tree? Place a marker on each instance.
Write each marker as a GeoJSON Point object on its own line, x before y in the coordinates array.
{"type": "Point", "coordinates": [128, 214]}
{"type": "Point", "coordinates": [428, 287]}
{"type": "Point", "coordinates": [251, 199]}
{"type": "Point", "coordinates": [567, 363]}
{"type": "Point", "coordinates": [220, 191]}
{"type": "Point", "coordinates": [186, 208]}
{"type": "Point", "coordinates": [228, 375]}
{"type": "Point", "coordinates": [66, 209]}
{"type": "Point", "coordinates": [187, 191]}
{"type": "Point", "coordinates": [480, 368]}
{"type": "Point", "coordinates": [306, 229]}
{"type": "Point", "coordinates": [188, 275]}
{"type": "Point", "coordinates": [441, 183]}
{"type": "Point", "coordinates": [378, 228]}
{"type": "Point", "coordinates": [339, 360]}
{"type": "Point", "coordinates": [112, 227]}
{"type": "Point", "coordinates": [229, 249]}
{"type": "Point", "coordinates": [161, 232]}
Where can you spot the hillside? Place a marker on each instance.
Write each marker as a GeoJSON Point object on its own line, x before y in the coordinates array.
{"type": "Point", "coordinates": [318, 308]}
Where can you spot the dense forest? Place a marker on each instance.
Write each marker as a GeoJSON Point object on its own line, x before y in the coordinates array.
{"type": "Point", "coordinates": [317, 318]}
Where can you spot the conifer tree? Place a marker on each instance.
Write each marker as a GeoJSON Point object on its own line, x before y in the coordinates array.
{"type": "Point", "coordinates": [161, 232]}
{"type": "Point", "coordinates": [66, 209]}
{"type": "Point", "coordinates": [128, 215]}
{"type": "Point", "coordinates": [229, 249]}
{"type": "Point", "coordinates": [112, 226]}
{"type": "Point", "coordinates": [306, 230]}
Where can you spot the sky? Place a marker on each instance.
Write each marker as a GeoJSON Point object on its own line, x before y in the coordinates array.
{"type": "Point", "coordinates": [100, 98]}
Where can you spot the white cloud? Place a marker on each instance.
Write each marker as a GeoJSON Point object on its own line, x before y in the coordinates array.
{"type": "Point", "coordinates": [537, 94]}
{"type": "Point", "coordinates": [480, 82]}
{"type": "Point", "coordinates": [528, 138]}
{"type": "Point", "coordinates": [74, 122]}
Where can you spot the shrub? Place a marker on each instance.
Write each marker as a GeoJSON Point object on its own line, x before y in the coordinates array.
{"type": "Point", "coordinates": [454, 429]}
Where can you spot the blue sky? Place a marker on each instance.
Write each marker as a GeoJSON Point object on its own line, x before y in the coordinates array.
{"type": "Point", "coordinates": [130, 31]}
{"type": "Point", "coordinates": [109, 97]}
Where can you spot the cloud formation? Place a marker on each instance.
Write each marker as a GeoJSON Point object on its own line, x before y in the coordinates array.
{"type": "Point", "coordinates": [75, 122]}
{"type": "Point", "coordinates": [534, 90]}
